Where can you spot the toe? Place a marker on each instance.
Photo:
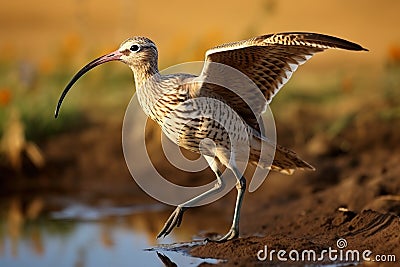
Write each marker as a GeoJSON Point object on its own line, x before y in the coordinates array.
{"type": "Point", "coordinates": [232, 234]}
{"type": "Point", "coordinates": [173, 221]}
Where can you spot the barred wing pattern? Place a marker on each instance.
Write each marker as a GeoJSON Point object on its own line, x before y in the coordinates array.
{"type": "Point", "coordinates": [269, 61]}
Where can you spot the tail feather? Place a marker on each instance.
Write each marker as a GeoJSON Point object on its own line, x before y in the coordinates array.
{"type": "Point", "coordinates": [285, 160]}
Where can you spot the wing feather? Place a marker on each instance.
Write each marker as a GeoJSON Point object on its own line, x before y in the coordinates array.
{"type": "Point", "coordinates": [269, 61]}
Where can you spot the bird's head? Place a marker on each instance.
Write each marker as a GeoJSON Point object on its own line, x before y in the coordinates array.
{"type": "Point", "coordinates": [137, 52]}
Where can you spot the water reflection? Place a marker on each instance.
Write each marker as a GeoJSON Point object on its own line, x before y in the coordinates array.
{"type": "Point", "coordinates": [81, 235]}
{"type": "Point", "coordinates": [13, 226]}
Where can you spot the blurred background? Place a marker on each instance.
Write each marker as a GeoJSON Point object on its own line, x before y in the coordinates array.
{"type": "Point", "coordinates": [66, 196]}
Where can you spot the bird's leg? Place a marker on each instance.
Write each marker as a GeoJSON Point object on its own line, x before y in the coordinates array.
{"type": "Point", "coordinates": [234, 231]}
{"type": "Point", "coordinates": [175, 218]}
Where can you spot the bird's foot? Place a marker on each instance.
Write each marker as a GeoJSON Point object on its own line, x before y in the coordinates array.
{"type": "Point", "coordinates": [173, 221]}
{"type": "Point", "coordinates": [232, 234]}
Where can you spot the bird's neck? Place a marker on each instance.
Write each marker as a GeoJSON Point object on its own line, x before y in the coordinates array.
{"type": "Point", "coordinates": [147, 80]}
{"type": "Point", "coordinates": [145, 73]}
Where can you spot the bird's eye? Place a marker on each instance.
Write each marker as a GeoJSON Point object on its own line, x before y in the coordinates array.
{"type": "Point", "coordinates": [135, 48]}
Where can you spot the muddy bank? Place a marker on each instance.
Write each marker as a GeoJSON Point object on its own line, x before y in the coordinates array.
{"type": "Point", "coordinates": [354, 195]}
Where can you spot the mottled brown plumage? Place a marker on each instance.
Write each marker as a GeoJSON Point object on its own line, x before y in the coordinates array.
{"type": "Point", "coordinates": [191, 109]}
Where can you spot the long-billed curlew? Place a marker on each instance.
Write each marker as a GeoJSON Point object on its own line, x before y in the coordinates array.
{"type": "Point", "coordinates": [269, 62]}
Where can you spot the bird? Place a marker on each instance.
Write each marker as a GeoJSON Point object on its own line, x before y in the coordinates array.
{"type": "Point", "coordinates": [173, 101]}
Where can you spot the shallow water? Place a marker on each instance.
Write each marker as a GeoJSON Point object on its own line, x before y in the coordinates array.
{"type": "Point", "coordinates": [80, 235]}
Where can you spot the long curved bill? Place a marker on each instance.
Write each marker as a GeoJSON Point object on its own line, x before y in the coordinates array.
{"type": "Point", "coordinates": [116, 55]}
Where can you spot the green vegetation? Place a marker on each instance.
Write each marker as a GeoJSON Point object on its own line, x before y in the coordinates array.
{"type": "Point", "coordinates": [33, 93]}
{"type": "Point", "coordinates": [32, 96]}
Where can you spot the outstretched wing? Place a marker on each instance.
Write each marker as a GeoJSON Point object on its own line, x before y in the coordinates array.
{"type": "Point", "coordinates": [268, 61]}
